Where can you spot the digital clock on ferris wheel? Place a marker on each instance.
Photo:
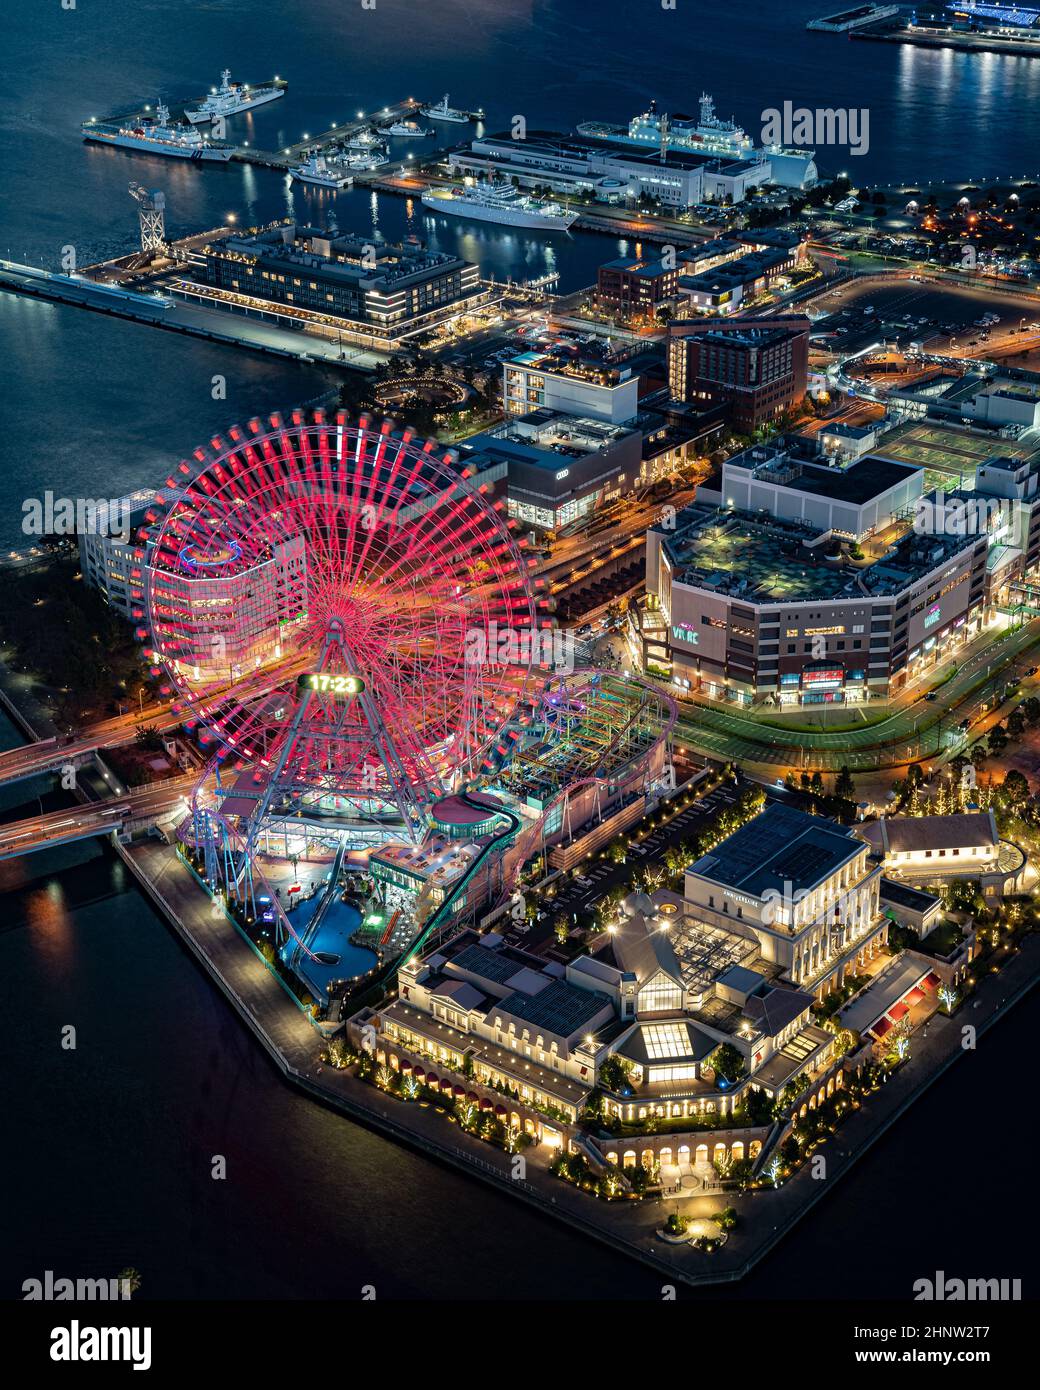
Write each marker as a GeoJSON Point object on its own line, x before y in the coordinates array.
{"type": "Point", "coordinates": [324, 683]}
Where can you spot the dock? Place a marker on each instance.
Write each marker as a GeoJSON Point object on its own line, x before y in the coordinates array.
{"type": "Point", "coordinates": [159, 309]}
{"type": "Point", "coordinates": [847, 20]}
{"type": "Point", "coordinates": [406, 109]}
{"type": "Point", "coordinates": [601, 217]}
{"type": "Point", "coordinates": [888, 24]}
{"type": "Point", "coordinates": [1013, 45]}
{"type": "Point", "coordinates": [318, 144]}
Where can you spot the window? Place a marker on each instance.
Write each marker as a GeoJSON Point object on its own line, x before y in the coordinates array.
{"type": "Point", "coordinates": [664, 1040]}
{"type": "Point", "coordinates": [688, 1072]}
{"type": "Point", "coordinates": [660, 995]}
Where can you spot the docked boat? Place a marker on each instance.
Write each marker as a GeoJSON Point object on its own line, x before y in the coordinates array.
{"type": "Point", "coordinates": [360, 162]}
{"type": "Point", "coordinates": [502, 203]}
{"type": "Point", "coordinates": [230, 98]}
{"type": "Point", "coordinates": [706, 133]}
{"type": "Point", "coordinates": [400, 128]}
{"type": "Point", "coordinates": [364, 140]}
{"type": "Point", "coordinates": [319, 171]}
{"type": "Point", "coordinates": [441, 111]}
{"type": "Point", "coordinates": [158, 136]}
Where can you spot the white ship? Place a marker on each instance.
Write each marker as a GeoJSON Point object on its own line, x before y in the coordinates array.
{"type": "Point", "coordinates": [157, 137]}
{"type": "Point", "coordinates": [706, 133]}
{"type": "Point", "coordinates": [230, 98]}
{"type": "Point", "coordinates": [364, 140]}
{"type": "Point", "coordinates": [318, 170]}
{"type": "Point", "coordinates": [361, 163]}
{"type": "Point", "coordinates": [441, 111]}
{"type": "Point", "coordinates": [404, 128]}
{"type": "Point", "coordinates": [499, 202]}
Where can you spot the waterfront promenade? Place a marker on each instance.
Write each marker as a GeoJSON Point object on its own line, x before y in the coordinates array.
{"type": "Point", "coordinates": [188, 317]}
{"type": "Point", "coordinates": [292, 1043]}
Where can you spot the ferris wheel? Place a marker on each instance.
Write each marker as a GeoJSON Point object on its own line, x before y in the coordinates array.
{"type": "Point", "coordinates": [326, 599]}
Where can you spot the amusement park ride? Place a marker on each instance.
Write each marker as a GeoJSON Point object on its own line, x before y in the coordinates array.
{"type": "Point", "coordinates": [309, 589]}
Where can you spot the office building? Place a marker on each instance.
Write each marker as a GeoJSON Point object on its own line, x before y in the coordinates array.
{"type": "Point", "coordinates": [590, 389]}
{"type": "Point", "coordinates": [758, 368]}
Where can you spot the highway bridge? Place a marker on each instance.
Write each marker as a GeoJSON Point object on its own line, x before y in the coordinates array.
{"type": "Point", "coordinates": [134, 810]}
{"type": "Point", "coordinates": [53, 754]}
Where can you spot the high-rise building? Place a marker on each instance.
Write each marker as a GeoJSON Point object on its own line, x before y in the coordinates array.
{"type": "Point", "coordinates": [756, 367]}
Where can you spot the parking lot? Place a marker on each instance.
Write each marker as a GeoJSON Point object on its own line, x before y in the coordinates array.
{"type": "Point", "coordinates": [935, 313]}
{"type": "Point", "coordinates": [580, 892]}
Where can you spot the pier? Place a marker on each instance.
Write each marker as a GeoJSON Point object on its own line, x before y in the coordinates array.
{"type": "Point", "coordinates": [316, 144]}
{"type": "Point", "coordinates": [597, 217]}
{"type": "Point", "coordinates": [408, 108]}
{"type": "Point", "coordinates": [856, 18]}
{"type": "Point", "coordinates": [887, 24]}
{"type": "Point", "coordinates": [161, 310]}
{"type": "Point", "coordinates": [1018, 45]}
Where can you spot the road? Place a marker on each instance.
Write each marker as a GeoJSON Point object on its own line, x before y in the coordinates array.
{"type": "Point", "coordinates": [913, 731]}
{"type": "Point", "coordinates": [65, 826]}
{"type": "Point", "coordinates": [48, 755]}
{"type": "Point", "coordinates": [30, 759]}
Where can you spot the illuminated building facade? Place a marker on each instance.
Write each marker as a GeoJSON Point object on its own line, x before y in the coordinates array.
{"type": "Point", "coordinates": [381, 291]}
{"type": "Point", "coordinates": [595, 390]}
{"type": "Point", "coordinates": [756, 608]}
{"type": "Point", "coordinates": [757, 368]}
{"type": "Point", "coordinates": [237, 616]}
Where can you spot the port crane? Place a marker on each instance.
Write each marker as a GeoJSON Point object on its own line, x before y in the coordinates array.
{"type": "Point", "coordinates": [151, 206]}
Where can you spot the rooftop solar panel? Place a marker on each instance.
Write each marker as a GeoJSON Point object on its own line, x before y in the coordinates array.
{"type": "Point", "coordinates": [561, 1008]}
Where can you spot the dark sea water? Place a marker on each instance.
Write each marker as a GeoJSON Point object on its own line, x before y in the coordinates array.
{"type": "Point", "coordinates": [103, 407]}
{"type": "Point", "coordinates": [107, 1149]}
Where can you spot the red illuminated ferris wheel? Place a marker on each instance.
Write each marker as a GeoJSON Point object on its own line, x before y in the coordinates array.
{"type": "Point", "coordinates": [327, 600]}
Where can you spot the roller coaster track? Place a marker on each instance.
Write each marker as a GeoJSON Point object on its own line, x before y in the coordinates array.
{"type": "Point", "coordinates": [438, 918]}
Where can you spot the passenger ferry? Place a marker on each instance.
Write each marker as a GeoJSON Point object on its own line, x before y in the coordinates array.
{"type": "Point", "coordinates": [502, 203]}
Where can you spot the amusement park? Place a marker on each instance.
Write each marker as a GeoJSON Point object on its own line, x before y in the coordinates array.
{"type": "Point", "coordinates": [326, 604]}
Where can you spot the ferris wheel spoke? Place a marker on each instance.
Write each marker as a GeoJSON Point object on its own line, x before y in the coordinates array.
{"type": "Point", "coordinates": [295, 544]}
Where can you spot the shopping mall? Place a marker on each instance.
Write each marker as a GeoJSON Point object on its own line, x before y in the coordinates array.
{"type": "Point", "coordinates": [778, 606]}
